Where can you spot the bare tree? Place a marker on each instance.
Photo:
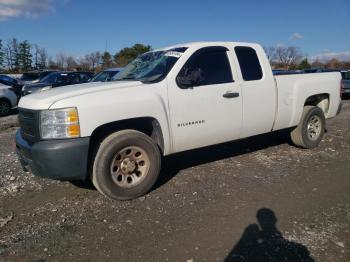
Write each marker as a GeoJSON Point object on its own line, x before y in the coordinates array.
{"type": "Point", "coordinates": [288, 56]}
{"type": "Point", "coordinates": [83, 64]}
{"type": "Point", "coordinates": [93, 59]}
{"type": "Point", "coordinates": [61, 60]}
{"type": "Point", "coordinates": [51, 64]}
{"type": "Point", "coordinates": [42, 58]}
{"type": "Point", "coordinates": [11, 54]}
{"type": "Point", "coordinates": [317, 64]}
{"type": "Point", "coordinates": [71, 64]}
{"type": "Point", "coordinates": [36, 56]}
{"type": "Point", "coordinates": [270, 53]}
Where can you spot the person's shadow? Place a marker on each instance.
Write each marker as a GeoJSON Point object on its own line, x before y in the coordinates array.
{"type": "Point", "coordinates": [264, 242]}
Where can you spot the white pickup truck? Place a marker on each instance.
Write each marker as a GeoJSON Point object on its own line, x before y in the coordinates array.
{"type": "Point", "coordinates": [166, 101]}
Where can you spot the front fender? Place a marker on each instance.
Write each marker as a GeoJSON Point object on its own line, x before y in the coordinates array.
{"type": "Point", "coordinates": [97, 109]}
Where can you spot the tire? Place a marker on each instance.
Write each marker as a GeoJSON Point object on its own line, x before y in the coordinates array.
{"type": "Point", "coordinates": [5, 107]}
{"type": "Point", "coordinates": [311, 128]}
{"type": "Point", "coordinates": [122, 175]}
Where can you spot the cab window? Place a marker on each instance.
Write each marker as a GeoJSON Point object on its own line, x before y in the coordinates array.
{"type": "Point", "coordinates": [249, 62]}
{"type": "Point", "coordinates": [207, 66]}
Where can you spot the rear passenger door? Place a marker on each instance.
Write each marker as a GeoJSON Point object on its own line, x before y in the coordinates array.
{"type": "Point", "coordinates": [258, 91]}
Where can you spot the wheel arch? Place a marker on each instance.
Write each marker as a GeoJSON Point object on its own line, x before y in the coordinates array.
{"type": "Point", "coordinates": [7, 100]}
{"type": "Point", "coordinates": [319, 100]}
{"type": "Point", "coordinates": [147, 125]}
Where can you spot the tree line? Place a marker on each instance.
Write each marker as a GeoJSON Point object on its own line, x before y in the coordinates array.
{"type": "Point", "coordinates": [292, 58]}
{"type": "Point", "coordinates": [19, 57]}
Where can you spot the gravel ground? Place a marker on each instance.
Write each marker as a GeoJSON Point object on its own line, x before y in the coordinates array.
{"type": "Point", "coordinates": [8, 122]}
{"type": "Point", "coordinates": [258, 196]}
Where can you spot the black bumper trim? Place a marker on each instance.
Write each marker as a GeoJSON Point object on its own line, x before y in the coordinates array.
{"type": "Point", "coordinates": [56, 159]}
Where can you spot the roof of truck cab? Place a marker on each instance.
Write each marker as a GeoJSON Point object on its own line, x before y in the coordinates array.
{"type": "Point", "coordinates": [209, 43]}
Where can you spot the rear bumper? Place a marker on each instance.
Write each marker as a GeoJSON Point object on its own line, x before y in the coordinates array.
{"type": "Point", "coordinates": [56, 159]}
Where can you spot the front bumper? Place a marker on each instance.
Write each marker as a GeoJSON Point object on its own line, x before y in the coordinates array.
{"type": "Point", "coordinates": [65, 159]}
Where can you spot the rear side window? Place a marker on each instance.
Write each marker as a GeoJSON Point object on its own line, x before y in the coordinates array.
{"type": "Point", "coordinates": [208, 66]}
{"type": "Point", "coordinates": [249, 63]}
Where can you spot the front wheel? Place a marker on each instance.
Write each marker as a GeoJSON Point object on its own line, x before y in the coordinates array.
{"type": "Point", "coordinates": [126, 166]}
{"type": "Point", "coordinates": [309, 132]}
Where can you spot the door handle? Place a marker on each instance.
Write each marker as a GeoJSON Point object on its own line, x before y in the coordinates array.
{"type": "Point", "coordinates": [230, 94]}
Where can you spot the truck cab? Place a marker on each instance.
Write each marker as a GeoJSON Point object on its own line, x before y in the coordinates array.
{"type": "Point", "coordinates": [166, 101]}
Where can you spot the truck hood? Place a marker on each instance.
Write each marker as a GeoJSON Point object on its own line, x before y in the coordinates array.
{"type": "Point", "coordinates": [43, 100]}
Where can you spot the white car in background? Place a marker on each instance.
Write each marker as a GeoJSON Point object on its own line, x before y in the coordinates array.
{"type": "Point", "coordinates": [8, 100]}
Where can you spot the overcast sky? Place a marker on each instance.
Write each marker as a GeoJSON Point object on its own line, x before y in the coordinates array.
{"type": "Point", "coordinates": [76, 27]}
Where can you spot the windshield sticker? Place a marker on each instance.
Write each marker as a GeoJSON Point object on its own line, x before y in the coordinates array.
{"type": "Point", "coordinates": [173, 54]}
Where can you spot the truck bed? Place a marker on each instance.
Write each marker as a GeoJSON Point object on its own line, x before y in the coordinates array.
{"type": "Point", "coordinates": [294, 89]}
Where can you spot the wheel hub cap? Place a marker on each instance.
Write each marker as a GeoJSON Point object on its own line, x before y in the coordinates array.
{"type": "Point", "coordinates": [314, 127]}
{"type": "Point", "coordinates": [129, 166]}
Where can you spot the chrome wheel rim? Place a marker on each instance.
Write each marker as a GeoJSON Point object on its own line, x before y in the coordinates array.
{"type": "Point", "coordinates": [4, 108]}
{"type": "Point", "coordinates": [129, 166]}
{"type": "Point", "coordinates": [314, 127]}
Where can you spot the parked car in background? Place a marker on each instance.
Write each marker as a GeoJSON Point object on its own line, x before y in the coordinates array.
{"type": "Point", "coordinates": [8, 99]}
{"type": "Point", "coordinates": [57, 79]}
{"type": "Point", "coordinates": [12, 82]}
{"type": "Point", "coordinates": [345, 83]}
{"type": "Point", "coordinates": [34, 76]}
{"type": "Point", "coordinates": [320, 70]}
{"type": "Point", "coordinates": [106, 75]}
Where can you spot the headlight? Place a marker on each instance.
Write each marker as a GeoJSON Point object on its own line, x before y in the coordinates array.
{"type": "Point", "coordinates": [59, 123]}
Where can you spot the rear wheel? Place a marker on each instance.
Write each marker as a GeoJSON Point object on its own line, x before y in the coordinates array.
{"type": "Point", "coordinates": [309, 132]}
{"type": "Point", "coordinates": [5, 107]}
{"type": "Point", "coordinates": [127, 165]}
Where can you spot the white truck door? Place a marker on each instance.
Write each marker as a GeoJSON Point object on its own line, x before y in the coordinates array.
{"type": "Point", "coordinates": [258, 89]}
{"type": "Point", "coordinates": [205, 100]}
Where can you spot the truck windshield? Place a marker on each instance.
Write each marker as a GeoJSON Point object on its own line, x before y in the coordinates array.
{"type": "Point", "coordinates": [150, 67]}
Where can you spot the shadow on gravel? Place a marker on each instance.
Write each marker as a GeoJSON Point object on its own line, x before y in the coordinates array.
{"type": "Point", "coordinates": [85, 184]}
{"type": "Point", "coordinates": [173, 164]}
{"type": "Point", "coordinates": [263, 242]}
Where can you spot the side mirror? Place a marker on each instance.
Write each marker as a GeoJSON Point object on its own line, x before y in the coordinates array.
{"type": "Point", "coordinates": [190, 78]}
{"type": "Point", "coordinates": [185, 82]}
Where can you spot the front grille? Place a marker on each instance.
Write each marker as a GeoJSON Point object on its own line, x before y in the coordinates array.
{"type": "Point", "coordinates": [29, 123]}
